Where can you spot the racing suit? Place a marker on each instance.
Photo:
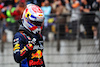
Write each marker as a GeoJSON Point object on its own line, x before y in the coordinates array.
{"type": "Point", "coordinates": [25, 48]}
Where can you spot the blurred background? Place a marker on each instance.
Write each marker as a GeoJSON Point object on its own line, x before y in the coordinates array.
{"type": "Point", "coordinates": [71, 31]}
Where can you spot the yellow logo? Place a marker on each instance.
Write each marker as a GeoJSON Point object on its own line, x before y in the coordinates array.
{"type": "Point", "coordinates": [16, 47]}
{"type": "Point", "coordinates": [21, 51]}
{"type": "Point", "coordinates": [40, 15]}
{"type": "Point", "coordinates": [38, 54]}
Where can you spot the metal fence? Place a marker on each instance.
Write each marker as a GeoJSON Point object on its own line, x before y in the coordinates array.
{"type": "Point", "coordinates": [60, 48]}
{"type": "Point", "coordinates": [63, 28]}
{"type": "Point", "coordinates": [83, 51]}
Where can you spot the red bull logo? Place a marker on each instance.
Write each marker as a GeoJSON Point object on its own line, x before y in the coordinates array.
{"type": "Point", "coordinates": [38, 62]}
{"type": "Point", "coordinates": [38, 54]}
{"type": "Point", "coordinates": [16, 47]}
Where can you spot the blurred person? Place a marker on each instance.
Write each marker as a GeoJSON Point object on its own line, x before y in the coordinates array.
{"type": "Point", "coordinates": [37, 2]}
{"type": "Point", "coordinates": [98, 1]}
{"type": "Point", "coordinates": [28, 42]}
{"type": "Point", "coordinates": [60, 9]}
{"type": "Point", "coordinates": [11, 22]}
{"type": "Point", "coordinates": [94, 8]}
{"type": "Point", "coordinates": [86, 19]}
{"type": "Point", "coordinates": [2, 16]}
{"type": "Point", "coordinates": [47, 11]}
{"type": "Point", "coordinates": [42, 4]}
{"type": "Point", "coordinates": [19, 9]}
{"type": "Point", "coordinates": [17, 13]}
{"type": "Point", "coordinates": [75, 15]}
{"type": "Point", "coordinates": [2, 24]}
{"type": "Point", "coordinates": [21, 6]}
{"type": "Point", "coordinates": [54, 5]}
{"type": "Point", "coordinates": [1, 4]}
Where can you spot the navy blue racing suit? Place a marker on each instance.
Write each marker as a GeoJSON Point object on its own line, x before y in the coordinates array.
{"type": "Point", "coordinates": [28, 58]}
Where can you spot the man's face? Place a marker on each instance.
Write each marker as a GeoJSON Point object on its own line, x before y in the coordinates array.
{"type": "Point", "coordinates": [46, 3]}
{"type": "Point", "coordinates": [98, 1]}
{"type": "Point", "coordinates": [59, 2]}
{"type": "Point", "coordinates": [83, 1]}
{"type": "Point", "coordinates": [10, 6]}
{"type": "Point", "coordinates": [21, 4]}
{"type": "Point", "coordinates": [74, 0]}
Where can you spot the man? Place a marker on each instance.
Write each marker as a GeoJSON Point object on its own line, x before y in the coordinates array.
{"type": "Point", "coordinates": [28, 42]}
{"type": "Point", "coordinates": [75, 15]}
{"type": "Point", "coordinates": [47, 10]}
{"type": "Point", "coordinates": [87, 18]}
{"type": "Point", "coordinates": [95, 8]}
